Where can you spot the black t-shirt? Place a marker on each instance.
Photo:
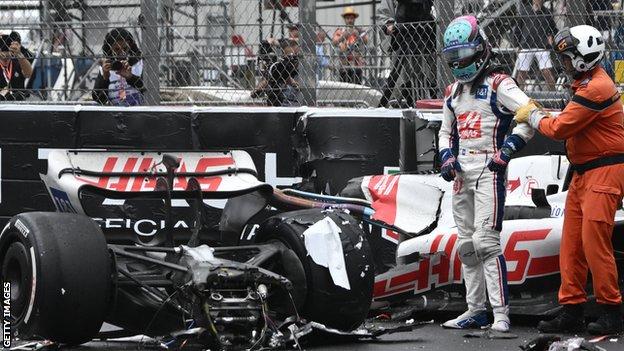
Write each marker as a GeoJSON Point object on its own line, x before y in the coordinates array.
{"type": "Point", "coordinates": [284, 69]}
{"type": "Point", "coordinates": [16, 81]}
{"type": "Point", "coordinates": [413, 11]}
{"type": "Point", "coordinates": [415, 29]}
{"type": "Point", "coordinates": [535, 28]}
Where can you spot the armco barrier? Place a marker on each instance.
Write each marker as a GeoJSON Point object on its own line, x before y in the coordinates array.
{"type": "Point", "coordinates": [323, 147]}
{"type": "Point", "coordinates": [342, 143]}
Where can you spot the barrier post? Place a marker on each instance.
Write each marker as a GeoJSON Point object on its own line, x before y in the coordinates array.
{"type": "Point", "coordinates": [307, 67]}
{"type": "Point", "coordinates": [151, 57]}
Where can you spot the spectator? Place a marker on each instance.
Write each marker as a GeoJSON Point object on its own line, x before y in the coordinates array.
{"type": "Point", "coordinates": [119, 81]}
{"type": "Point", "coordinates": [15, 36]}
{"type": "Point", "coordinates": [534, 36]}
{"type": "Point", "coordinates": [279, 84]}
{"type": "Point", "coordinates": [322, 60]}
{"type": "Point", "coordinates": [293, 34]}
{"type": "Point", "coordinates": [15, 69]}
{"type": "Point", "coordinates": [29, 56]}
{"type": "Point", "coordinates": [411, 28]}
{"type": "Point", "coordinates": [350, 42]}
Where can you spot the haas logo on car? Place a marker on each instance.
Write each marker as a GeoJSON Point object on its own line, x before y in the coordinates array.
{"type": "Point", "coordinates": [146, 183]}
{"type": "Point", "coordinates": [529, 254]}
{"type": "Point", "coordinates": [469, 125]}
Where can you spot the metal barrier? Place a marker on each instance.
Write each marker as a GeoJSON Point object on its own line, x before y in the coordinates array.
{"type": "Point", "coordinates": [282, 52]}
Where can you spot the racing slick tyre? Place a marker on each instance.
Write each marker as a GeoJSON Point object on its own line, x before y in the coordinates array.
{"type": "Point", "coordinates": [325, 302]}
{"type": "Point", "coordinates": [59, 270]}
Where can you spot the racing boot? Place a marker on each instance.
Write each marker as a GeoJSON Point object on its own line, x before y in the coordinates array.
{"type": "Point", "coordinates": [570, 319]}
{"type": "Point", "coordinates": [610, 322]}
{"type": "Point", "coordinates": [496, 280]}
{"type": "Point", "coordinates": [501, 320]}
{"type": "Point", "coordinates": [468, 319]}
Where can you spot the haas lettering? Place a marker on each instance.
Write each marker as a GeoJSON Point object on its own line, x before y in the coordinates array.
{"type": "Point", "coordinates": [148, 183]}
{"type": "Point", "coordinates": [469, 125]}
{"type": "Point", "coordinates": [443, 267]}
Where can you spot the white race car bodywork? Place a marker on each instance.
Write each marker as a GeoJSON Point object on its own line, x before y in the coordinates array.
{"type": "Point", "coordinates": [530, 245]}
{"type": "Point", "coordinates": [71, 170]}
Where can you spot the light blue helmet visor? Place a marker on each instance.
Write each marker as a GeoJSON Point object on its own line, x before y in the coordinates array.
{"type": "Point", "coordinates": [461, 58]}
{"type": "Point", "coordinates": [461, 55]}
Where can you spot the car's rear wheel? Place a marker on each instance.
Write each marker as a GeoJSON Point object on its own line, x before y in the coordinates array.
{"type": "Point", "coordinates": [58, 268]}
{"type": "Point", "coordinates": [325, 302]}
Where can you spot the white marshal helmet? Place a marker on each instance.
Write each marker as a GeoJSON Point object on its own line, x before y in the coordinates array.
{"type": "Point", "coordinates": [583, 44]}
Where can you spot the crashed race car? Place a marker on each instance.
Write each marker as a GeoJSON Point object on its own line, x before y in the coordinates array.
{"type": "Point", "coordinates": [284, 263]}
{"type": "Point", "coordinates": [311, 267]}
{"type": "Point", "coordinates": [419, 264]}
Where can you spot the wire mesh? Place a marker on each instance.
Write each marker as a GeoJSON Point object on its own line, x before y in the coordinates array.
{"type": "Point", "coordinates": [359, 53]}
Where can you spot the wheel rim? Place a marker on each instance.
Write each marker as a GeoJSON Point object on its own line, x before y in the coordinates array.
{"type": "Point", "coordinates": [17, 271]}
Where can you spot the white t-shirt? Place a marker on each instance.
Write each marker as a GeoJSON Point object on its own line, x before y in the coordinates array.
{"type": "Point", "coordinates": [122, 93]}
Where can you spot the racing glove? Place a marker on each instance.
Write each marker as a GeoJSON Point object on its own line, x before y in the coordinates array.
{"type": "Point", "coordinates": [449, 164]}
{"type": "Point", "coordinates": [500, 160]}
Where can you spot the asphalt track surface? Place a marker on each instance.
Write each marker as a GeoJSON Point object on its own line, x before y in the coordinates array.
{"type": "Point", "coordinates": [429, 337]}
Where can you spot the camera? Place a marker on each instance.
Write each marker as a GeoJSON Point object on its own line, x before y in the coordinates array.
{"type": "Point", "coordinates": [5, 42]}
{"type": "Point", "coordinates": [116, 65]}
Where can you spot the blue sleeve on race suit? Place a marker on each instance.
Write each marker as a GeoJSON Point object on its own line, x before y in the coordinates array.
{"type": "Point", "coordinates": [445, 154]}
{"type": "Point", "coordinates": [514, 142]}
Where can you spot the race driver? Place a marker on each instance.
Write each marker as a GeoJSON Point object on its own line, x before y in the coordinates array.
{"type": "Point", "coordinates": [591, 125]}
{"type": "Point", "coordinates": [474, 151]}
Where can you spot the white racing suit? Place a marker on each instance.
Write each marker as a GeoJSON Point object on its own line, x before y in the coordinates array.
{"type": "Point", "coordinates": [474, 128]}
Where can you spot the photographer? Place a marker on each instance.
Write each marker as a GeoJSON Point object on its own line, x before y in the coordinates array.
{"type": "Point", "coordinates": [411, 29]}
{"type": "Point", "coordinates": [15, 69]}
{"type": "Point", "coordinates": [119, 81]}
{"type": "Point", "coordinates": [279, 79]}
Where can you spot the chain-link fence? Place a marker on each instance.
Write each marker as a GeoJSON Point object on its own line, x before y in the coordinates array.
{"type": "Point", "coordinates": [362, 53]}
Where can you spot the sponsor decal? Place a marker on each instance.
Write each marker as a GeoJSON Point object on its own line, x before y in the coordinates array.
{"type": "Point", "coordinates": [391, 170]}
{"type": "Point", "coordinates": [142, 227]}
{"type": "Point", "coordinates": [530, 184]}
{"type": "Point", "coordinates": [513, 184]}
{"type": "Point", "coordinates": [144, 164]}
{"type": "Point", "coordinates": [21, 227]}
{"type": "Point", "coordinates": [498, 79]}
{"type": "Point", "coordinates": [482, 92]}
{"type": "Point", "coordinates": [556, 211]}
{"type": "Point", "coordinates": [384, 191]}
{"type": "Point", "coordinates": [61, 201]}
{"type": "Point", "coordinates": [250, 233]}
{"type": "Point", "coordinates": [270, 172]}
{"type": "Point", "coordinates": [6, 315]}
{"type": "Point", "coordinates": [443, 266]}
{"type": "Point", "coordinates": [469, 125]}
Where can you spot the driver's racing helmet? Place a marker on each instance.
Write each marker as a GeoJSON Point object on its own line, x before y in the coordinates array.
{"type": "Point", "coordinates": [583, 44]}
{"type": "Point", "coordinates": [466, 49]}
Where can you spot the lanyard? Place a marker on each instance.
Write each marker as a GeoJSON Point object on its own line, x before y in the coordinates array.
{"type": "Point", "coordinates": [7, 72]}
{"type": "Point", "coordinates": [122, 88]}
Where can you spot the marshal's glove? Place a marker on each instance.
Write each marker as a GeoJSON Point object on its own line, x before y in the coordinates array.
{"type": "Point", "coordinates": [500, 160]}
{"type": "Point", "coordinates": [523, 113]}
{"type": "Point", "coordinates": [450, 165]}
